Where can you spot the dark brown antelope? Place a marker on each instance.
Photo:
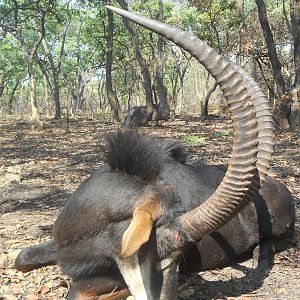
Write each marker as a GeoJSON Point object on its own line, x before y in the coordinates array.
{"type": "Point", "coordinates": [147, 215]}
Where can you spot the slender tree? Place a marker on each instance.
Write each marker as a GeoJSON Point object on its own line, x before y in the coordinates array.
{"type": "Point", "coordinates": [282, 114]}
{"type": "Point", "coordinates": [163, 106]}
{"type": "Point", "coordinates": [275, 63]}
{"type": "Point", "coordinates": [29, 48]}
{"type": "Point", "coordinates": [295, 22]}
{"type": "Point", "coordinates": [55, 70]}
{"type": "Point", "coordinates": [112, 97]}
{"type": "Point", "coordinates": [147, 82]}
{"type": "Point", "coordinates": [12, 94]}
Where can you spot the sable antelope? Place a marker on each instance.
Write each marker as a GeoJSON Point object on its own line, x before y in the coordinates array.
{"type": "Point", "coordinates": [147, 214]}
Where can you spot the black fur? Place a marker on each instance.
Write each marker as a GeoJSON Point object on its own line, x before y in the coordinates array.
{"type": "Point", "coordinates": [89, 230]}
{"type": "Point", "coordinates": [141, 156]}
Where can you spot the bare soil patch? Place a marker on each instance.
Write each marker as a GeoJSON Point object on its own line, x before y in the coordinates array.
{"type": "Point", "coordinates": [39, 170]}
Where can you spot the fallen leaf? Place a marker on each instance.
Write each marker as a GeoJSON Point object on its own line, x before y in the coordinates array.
{"type": "Point", "coordinates": [44, 289]}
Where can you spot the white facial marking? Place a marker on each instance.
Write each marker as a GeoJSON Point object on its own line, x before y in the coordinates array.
{"type": "Point", "coordinates": [165, 263]}
{"type": "Point", "coordinates": [131, 272]}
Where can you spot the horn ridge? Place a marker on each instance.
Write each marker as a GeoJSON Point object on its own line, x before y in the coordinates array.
{"type": "Point", "coordinates": [243, 97]}
{"type": "Point", "coordinates": [265, 124]}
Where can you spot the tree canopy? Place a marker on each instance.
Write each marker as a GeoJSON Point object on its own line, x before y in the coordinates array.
{"type": "Point", "coordinates": [72, 56]}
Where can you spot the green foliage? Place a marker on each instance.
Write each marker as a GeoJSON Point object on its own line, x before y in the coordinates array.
{"type": "Point", "coordinates": [195, 140]}
{"type": "Point", "coordinates": [12, 66]}
{"type": "Point", "coordinates": [232, 27]}
{"type": "Point", "coordinates": [223, 133]}
{"type": "Point", "coordinates": [215, 21]}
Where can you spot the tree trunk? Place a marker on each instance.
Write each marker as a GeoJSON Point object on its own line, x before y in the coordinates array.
{"type": "Point", "coordinates": [33, 101]}
{"type": "Point", "coordinates": [282, 113]}
{"type": "Point", "coordinates": [163, 106]}
{"type": "Point", "coordinates": [295, 21]}
{"type": "Point", "coordinates": [3, 83]}
{"type": "Point", "coordinates": [173, 77]}
{"type": "Point", "coordinates": [11, 97]}
{"type": "Point", "coordinates": [56, 98]}
{"type": "Point", "coordinates": [295, 110]}
{"type": "Point", "coordinates": [141, 61]}
{"type": "Point", "coordinates": [295, 107]}
{"type": "Point", "coordinates": [77, 95]}
{"type": "Point", "coordinates": [199, 92]}
{"type": "Point", "coordinates": [46, 95]}
{"type": "Point", "coordinates": [101, 93]}
{"type": "Point", "coordinates": [271, 91]}
{"type": "Point", "coordinates": [275, 63]}
{"type": "Point", "coordinates": [2, 87]}
{"type": "Point", "coordinates": [89, 101]}
{"type": "Point", "coordinates": [55, 85]}
{"type": "Point", "coordinates": [29, 53]}
{"type": "Point", "coordinates": [112, 98]}
{"type": "Point", "coordinates": [206, 99]}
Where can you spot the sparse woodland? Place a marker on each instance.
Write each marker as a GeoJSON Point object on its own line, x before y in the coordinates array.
{"type": "Point", "coordinates": [71, 72]}
{"type": "Point", "coordinates": [73, 58]}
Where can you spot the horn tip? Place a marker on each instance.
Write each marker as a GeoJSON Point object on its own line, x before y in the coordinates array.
{"type": "Point", "coordinates": [110, 7]}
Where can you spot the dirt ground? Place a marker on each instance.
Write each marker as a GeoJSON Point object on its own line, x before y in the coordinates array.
{"type": "Point", "coordinates": [40, 169]}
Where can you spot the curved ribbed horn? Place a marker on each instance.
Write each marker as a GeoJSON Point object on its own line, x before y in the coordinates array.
{"type": "Point", "coordinates": [251, 125]}
{"type": "Point", "coordinates": [265, 122]}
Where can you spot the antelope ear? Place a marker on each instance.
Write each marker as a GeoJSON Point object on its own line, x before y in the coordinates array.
{"type": "Point", "coordinates": [139, 230]}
